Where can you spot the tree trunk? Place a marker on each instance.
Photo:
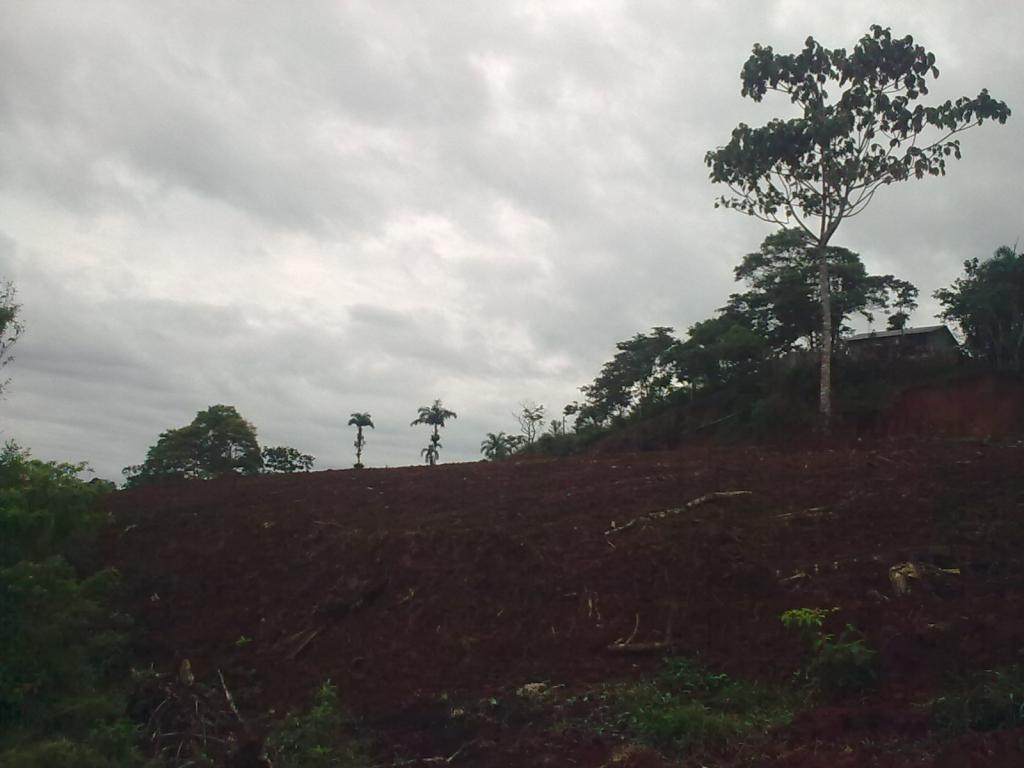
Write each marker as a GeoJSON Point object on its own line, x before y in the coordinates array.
{"type": "Point", "coordinates": [825, 296]}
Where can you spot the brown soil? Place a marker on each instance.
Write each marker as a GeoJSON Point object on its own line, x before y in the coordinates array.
{"type": "Point", "coordinates": [423, 590]}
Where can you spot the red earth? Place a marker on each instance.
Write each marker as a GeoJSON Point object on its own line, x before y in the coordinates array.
{"type": "Point", "coordinates": [419, 591]}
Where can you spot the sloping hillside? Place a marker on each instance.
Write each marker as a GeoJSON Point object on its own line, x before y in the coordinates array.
{"type": "Point", "coordinates": [422, 592]}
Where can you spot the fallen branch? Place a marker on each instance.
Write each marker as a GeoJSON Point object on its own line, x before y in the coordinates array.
{"type": "Point", "coordinates": [231, 701]}
{"type": "Point", "coordinates": [620, 528]}
{"type": "Point", "coordinates": [663, 513]}
{"type": "Point", "coordinates": [628, 646]}
{"type": "Point", "coordinates": [300, 640]}
{"type": "Point", "coordinates": [696, 503]}
{"type": "Point", "coordinates": [632, 635]}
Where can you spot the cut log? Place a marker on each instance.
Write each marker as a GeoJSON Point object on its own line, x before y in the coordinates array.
{"type": "Point", "coordinates": [663, 513]}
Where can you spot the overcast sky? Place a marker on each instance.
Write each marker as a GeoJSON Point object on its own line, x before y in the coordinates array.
{"type": "Point", "coordinates": [308, 209]}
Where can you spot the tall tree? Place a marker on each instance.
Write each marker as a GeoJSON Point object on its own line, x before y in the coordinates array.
{"type": "Point", "coordinates": [858, 131]}
{"type": "Point", "coordinates": [434, 416]}
{"type": "Point", "coordinates": [987, 302]}
{"type": "Point", "coordinates": [218, 442]}
{"type": "Point", "coordinates": [781, 302]}
{"type": "Point", "coordinates": [360, 420]}
{"type": "Point", "coordinates": [10, 327]}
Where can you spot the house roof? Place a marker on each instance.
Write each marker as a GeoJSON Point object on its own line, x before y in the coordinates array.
{"type": "Point", "coordinates": [890, 334]}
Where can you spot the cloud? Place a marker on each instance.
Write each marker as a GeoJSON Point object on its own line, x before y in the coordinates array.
{"type": "Point", "coordinates": [311, 210]}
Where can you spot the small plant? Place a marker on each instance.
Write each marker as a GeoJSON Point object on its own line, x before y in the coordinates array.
{"type": "Point", "coordinates": [319, 738]}
{"type": "Point", "coordinates": [688, 709]}
{"type": "Point", "coordinates": [993, 701]}
{"type": "Point", "coordinates": [839, 666]}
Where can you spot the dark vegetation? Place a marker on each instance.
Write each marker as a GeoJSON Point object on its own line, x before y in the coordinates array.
{"type": "Point", "coordinates": [62, 642]}
{"type": "Point", "coordinates": [751, 372]}
{"type": "Point", "coordinates": [218, 443]}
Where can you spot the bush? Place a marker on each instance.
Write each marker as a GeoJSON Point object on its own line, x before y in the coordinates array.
{"type": "Point", "coordinates": [839, 666]}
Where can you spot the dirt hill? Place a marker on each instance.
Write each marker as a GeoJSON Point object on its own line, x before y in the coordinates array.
{"type": "Point", "coordinates": [422, 592]}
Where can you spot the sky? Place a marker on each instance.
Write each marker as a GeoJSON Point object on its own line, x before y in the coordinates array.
{"type": "Point", "coordinates": [310, 209]}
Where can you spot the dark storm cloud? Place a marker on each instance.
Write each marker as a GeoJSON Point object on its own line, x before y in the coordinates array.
{"type": "Point", "coordinates": [310, 209]}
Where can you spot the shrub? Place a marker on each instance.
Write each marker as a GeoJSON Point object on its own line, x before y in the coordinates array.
{"type": "Point", "coordinates": [839, 666]}
{"type": "Point", "coordinates": [321, 737]}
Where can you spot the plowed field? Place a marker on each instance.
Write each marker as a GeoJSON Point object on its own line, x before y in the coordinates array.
{"type": "Point", "coordinates": [422, 592]}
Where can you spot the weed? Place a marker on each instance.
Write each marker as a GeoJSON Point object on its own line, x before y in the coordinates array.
{"type": "Point", "coordinates": [319, 738]}
{"type": "Point", "coordinates": [994, 700]}
{"type": "Point", "coordinates": [839, 666]}
{"type": "Point", "coordinates": [688, 709]}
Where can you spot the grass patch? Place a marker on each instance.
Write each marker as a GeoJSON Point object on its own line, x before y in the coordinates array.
{"type": "Point", "coordinates": [993, 700]}
{"type": "Point", "coordinates": [687, 709]}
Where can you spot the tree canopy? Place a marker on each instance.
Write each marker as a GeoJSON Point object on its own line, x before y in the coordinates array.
{"type": "Point", "coordinates": [640, 373]}
{"type": "Point", "coordinates": [718, 350]}
{"type": "Point", "coordinates": [858, 129]}
{"type": "Point", "coordinates": [781, 302]}
{"type": "Point", "coordinates": [218, 442]}
{"type": "Point", "coordinates": [987, 303]}
{"type": "Point", "coordinates": [283, 459]}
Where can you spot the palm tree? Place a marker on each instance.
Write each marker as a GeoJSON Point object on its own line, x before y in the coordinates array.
{"type": "Point", "coordinates": [493, 446]}
{"type": "Point", "coordinates": [435, 416]}
{"type": "Point", "coordinates": [360, 420]}
{"type": "Point", "coordinates": [498, 446]}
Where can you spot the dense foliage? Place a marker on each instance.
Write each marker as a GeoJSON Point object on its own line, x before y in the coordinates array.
{"type": "Point", "coordinates": [59, 636]}
{"type": "Point", "coordinates": [987, 302]}
{"type": "Point", "coordinates": [781, 302]}
{"type": "Point", "coordinates": [640, 373]}
{"type": "Point", "coordinates": [282, 458]}
{"type": "Point", "coordinates": [218, 443]}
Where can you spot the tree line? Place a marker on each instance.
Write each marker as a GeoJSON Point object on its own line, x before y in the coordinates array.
{"type": "Point", "coordinates": [775, 315]}
{"type": "Point", "coordinates": [219, 442]}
